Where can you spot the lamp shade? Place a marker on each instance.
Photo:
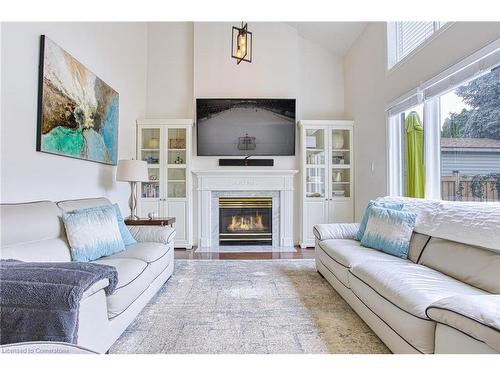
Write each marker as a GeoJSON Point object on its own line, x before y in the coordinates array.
{"type": "Point", "coordinates": [132, 170]}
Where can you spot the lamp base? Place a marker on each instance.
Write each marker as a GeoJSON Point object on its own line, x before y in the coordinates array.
{"type": "Point", "coordinates": [132, 217]}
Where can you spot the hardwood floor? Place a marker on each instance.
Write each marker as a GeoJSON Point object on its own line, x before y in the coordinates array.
{"type": "Point", "coordinates": [192, 254]}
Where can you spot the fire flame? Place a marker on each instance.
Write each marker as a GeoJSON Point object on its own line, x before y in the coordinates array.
{"type": "Point", "coordinates": [246, 223]}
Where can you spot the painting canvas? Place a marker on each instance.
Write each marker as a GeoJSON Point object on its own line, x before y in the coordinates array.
{"type": "Point", "coordinates": [77, 111]}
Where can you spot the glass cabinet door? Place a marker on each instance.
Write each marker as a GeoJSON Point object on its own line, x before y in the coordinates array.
{"type": "Point", "coordinates": [315, 147]}
{"type": "Point", "coordinates": [340, 164]}
{"type": "Point", "coordinates": [176, 159]}
{"type": "Point", "coordinates": [150, 152]}
{"type": "Point", "coordinates": [315, 163]}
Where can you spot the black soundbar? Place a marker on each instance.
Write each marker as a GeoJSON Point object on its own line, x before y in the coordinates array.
{"type": "Point", "coordinates": [246, 162]}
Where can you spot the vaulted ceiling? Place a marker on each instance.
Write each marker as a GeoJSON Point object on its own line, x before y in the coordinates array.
{"type": "Point", "coordinates": [337, 37]}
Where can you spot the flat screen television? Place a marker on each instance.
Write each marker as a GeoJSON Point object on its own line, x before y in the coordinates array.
{"type": "Point", "coordinates": [245, 127]}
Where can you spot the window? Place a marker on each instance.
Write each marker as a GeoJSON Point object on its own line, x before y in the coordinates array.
{"type": "Point", "coordinates": [458, 113]}
{"type": "Point", "coordinates": [404, 37]}
{"type": "Point", "coordinates": [470, 140]}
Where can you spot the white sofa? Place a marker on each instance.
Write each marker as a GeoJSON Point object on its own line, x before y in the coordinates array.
{"type": "Point", "coordinates": [445, 298]}
{"type": "Point", "coordinates": [34, 232]}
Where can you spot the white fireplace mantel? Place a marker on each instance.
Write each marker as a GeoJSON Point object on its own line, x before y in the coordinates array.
{"type": "Point", "coordinates": [251, 180]}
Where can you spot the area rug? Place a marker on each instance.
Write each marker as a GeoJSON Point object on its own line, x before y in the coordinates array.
{"type": "Point", "coordinates": [254, 306]}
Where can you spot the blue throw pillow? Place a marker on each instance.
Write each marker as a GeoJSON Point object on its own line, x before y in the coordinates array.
{"type": "Point", "coordinates": [126, 236]}
{"type": "Point", "coordinates": [389, 230]}
{"type": "Point", "coordinates": [362, 225]}
{"type": "Point", "coordinates": [93, 233]}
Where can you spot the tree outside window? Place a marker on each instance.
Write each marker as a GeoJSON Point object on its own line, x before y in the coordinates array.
{"type": "Point", "coordinates": [470, 140]}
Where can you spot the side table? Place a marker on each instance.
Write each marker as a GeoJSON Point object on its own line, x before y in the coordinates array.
{"type": "Point", "coordinates": [160, 221]}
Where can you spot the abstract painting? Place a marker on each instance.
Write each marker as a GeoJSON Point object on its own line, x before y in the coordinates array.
{"type": "Point", "coordinates": [77, 111]}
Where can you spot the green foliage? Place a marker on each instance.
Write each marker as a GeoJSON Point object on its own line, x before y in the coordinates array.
{"type": "Point", "coordinates": [478, 186]}
{"type": "Point", "coordinates": [483, 119]}
{"type": "Point", "coordinates": [479, 183]}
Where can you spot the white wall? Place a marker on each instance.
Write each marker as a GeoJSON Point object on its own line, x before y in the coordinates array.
{"type": "Point", "coordinates": [321, 82]}
{"type": "Point", "coordinates": [369, 88]}
{"type": "Point", "coordinates": [170, 70]}
{"type": "Point", "coordinates": [116, 52]}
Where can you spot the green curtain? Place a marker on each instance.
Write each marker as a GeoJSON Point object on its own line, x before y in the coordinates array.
{"type": "Point", "coordinates": [414, 160]}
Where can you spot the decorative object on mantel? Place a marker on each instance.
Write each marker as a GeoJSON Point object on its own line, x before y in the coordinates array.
{"type": "Point", "coordinates": [132, 171]}
{"type": "Point", "coordinates": [241, 44]}
{"type": "Point", "coordinates": [77, 111]}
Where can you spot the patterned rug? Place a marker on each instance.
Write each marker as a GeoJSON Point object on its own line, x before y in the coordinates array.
{"type": "Point", "coordinates": [263, 306]}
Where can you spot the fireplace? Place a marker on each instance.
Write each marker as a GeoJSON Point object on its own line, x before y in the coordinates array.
{"type": "Point", "coordinates": [245, 221]}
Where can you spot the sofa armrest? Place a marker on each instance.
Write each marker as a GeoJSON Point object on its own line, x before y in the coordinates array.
{"type": "Point", "coordinates": [152, 233]}
{"type": "Point", "coordinates": [475, 315]}
{"type": "Point", "coordinates": [94, 288]}
{"type": "Point", "coordinates": [335, 231]}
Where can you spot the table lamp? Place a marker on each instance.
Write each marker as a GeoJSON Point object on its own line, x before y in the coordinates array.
{"type": "Point", "coordinates": [132, 171]}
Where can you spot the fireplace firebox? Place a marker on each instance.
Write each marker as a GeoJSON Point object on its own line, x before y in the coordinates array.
{"type": "Point", "coordinates": [245, 221]}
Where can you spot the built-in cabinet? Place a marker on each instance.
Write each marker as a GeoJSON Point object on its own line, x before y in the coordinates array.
{"type": "Point", "coordinates": [165, 144]}
{"type": "Point", "coordinates": [327, 175]}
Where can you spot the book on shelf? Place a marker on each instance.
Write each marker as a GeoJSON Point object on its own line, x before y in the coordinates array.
{"type": "Point", "coordinates": [150, 190]}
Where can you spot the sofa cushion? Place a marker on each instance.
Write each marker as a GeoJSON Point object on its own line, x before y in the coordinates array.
{"type": "Point", "coordinates": [29, 222]}
{"type": "Point", "coordinates": [418, 242]}
{"type": "Point", "coordinates": [93, 233]}
{"type": "Point", "coordinates": [350, 252]}
{"type": "Point", "coordinates": [53, 250]}
{"type": "Point", "coordinates": [76, 204]}
{"type": "Point", "coordinates": [134, 277]}
{"type": "Point", "coordinates": [400, 292]}
{"type": "Point", "coordinates": [364, 221]}
{"type": "Point", "coordinates": [346, 253]}
{"type": "Point", "coordinates": [477, 316]}
{"type": "Point", "coordinates": [415, 331]}
{"type": "Point", "coordinates": [128, 269]}
{"type": "Point", "coordinates": [389, 230]}
{"type": "Point", "coordinates": [410, 286]}
{"type": "Point", "coordinates": [148, 252]}
{"type": "Point", "coordinates": [472, 265]}
{"type": "Point", "coordinates": [132, 281]}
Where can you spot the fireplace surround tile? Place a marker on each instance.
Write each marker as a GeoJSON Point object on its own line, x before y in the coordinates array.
{"type": "Point", "coordinates": [212, 184]}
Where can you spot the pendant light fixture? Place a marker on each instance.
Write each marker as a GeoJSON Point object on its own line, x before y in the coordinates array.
{"type": "Point", "coordinates": [241, 44]}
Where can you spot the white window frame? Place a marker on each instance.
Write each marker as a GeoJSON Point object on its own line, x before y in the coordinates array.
{"type": "Point", "coordinates": [392, 36]}
{"type": "Point", "coordinates": [429, 93]}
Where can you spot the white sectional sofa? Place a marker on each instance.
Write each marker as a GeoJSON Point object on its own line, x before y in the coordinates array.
{"type": "Point", "coordinates": [445, 298]}
{"type": "Point", "coordinates": [34, 232]}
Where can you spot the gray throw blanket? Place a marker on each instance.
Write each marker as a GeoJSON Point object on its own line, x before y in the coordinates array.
{"type": "Point", "coordinates": [40, 301]}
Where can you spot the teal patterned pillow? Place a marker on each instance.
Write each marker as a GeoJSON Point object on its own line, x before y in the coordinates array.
{"type": "Point", "coordinates": [389, 230]}
{"type": "Point", "coordinates": [125, 233]}
{"type": "Point", "coordinates": [364, 221]}
{"type": "Point", "coordinates": [93, 233]}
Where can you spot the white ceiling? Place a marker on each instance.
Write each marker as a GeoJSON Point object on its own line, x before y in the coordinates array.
{"type": "Point", "coordinates": [337, 37]}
